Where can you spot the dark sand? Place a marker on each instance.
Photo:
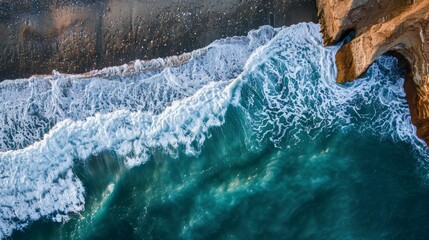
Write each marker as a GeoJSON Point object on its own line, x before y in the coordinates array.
{"type": "Point", "coordinates": [40, 36]}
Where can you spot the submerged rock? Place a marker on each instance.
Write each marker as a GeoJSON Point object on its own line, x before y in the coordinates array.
{"type": "Point", "coordinates": [77, 36]}
{"type": "Point", "coordinates": [400, 27]}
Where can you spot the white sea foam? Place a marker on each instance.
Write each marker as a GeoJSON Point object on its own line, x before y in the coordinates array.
{"type": "Point", "coordinates": [283, 79]}
{"type": "Point", "coordinates": [30, 107]}
{"type": "Point", "coordinates": [129, 109]}
{"type": "Point", "coordinates": [37, 181]}
{"type": "Point", "coordinates": [292, 91]}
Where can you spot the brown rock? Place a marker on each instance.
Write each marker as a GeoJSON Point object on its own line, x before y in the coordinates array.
{"type": "Point", "coordinates": [38, 36]}
{"type": "Point", "coordinates": [400, 27]}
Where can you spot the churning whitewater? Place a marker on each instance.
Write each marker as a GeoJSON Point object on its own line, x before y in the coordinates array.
{"type": "Point", "coordinates": [281, 81]}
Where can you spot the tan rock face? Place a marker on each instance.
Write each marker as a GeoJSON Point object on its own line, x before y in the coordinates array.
{"type": "Point", "coordinates": [38, 36]}
{"type": "Point", "coordinates": [397, 26]}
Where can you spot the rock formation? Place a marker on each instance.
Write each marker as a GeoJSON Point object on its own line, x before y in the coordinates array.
{"type": "Point", "coordinates": [400, 27]}
{"type": "Point", "coordinates": [38, 36]}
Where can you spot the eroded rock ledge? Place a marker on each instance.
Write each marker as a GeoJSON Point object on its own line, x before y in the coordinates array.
{"type": "Point", "coordinates": [396, 26]}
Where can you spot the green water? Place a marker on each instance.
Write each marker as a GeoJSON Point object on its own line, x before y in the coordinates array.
{"type": "Point", "coordinates": [294, 156]}
{"type": "Point", "coordinates": [346, 186]}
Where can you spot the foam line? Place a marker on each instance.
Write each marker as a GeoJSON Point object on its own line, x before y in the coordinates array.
{"type": "Point", "coordinates": [282, 79]}
{"type": "Point", "coordinates": [292, 91]}
{"type": "Point", "coordinates": [29, 108]}
{"type": "Point", "coordinates": [130, 110]}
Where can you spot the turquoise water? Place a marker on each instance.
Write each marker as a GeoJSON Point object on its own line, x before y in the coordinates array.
{"type": "Point", "coordinates": [250, 138]}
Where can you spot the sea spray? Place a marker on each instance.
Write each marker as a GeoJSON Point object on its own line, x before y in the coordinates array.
{"type": "Point", "coordinates": [160, 106]}
{"type": "Point", "coordinates": [275, 88]}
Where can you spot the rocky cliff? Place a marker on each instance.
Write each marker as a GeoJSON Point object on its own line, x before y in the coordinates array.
{"type": "Point", "coordinates": [400, 27]}
{"type": "Point", "coordinates": [38, 36]}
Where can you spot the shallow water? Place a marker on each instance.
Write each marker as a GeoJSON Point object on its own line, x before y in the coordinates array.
{"type": "Point", "coordinates": [250, 138]}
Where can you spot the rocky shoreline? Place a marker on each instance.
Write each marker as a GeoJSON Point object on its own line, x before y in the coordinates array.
{"type": "Point", "coordinates": [82, 35]}
{"type": "Point", "coordinates": [400, 27]}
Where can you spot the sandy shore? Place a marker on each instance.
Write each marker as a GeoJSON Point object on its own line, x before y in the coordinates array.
{"type": "Point", "coordinates": [40, 36]}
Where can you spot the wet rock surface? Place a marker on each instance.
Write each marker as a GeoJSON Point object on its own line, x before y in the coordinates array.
{"type": "Point", "coordinates": [39, 36]}
{"type": "Point", "coordinates": [400, 27]}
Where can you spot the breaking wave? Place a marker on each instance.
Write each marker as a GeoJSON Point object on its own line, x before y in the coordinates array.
{"type": "Point", "coordinates": [282, 80]}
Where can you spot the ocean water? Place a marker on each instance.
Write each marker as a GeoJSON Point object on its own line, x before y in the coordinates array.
{"type": "Point", "coordinates": [248, 138]}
